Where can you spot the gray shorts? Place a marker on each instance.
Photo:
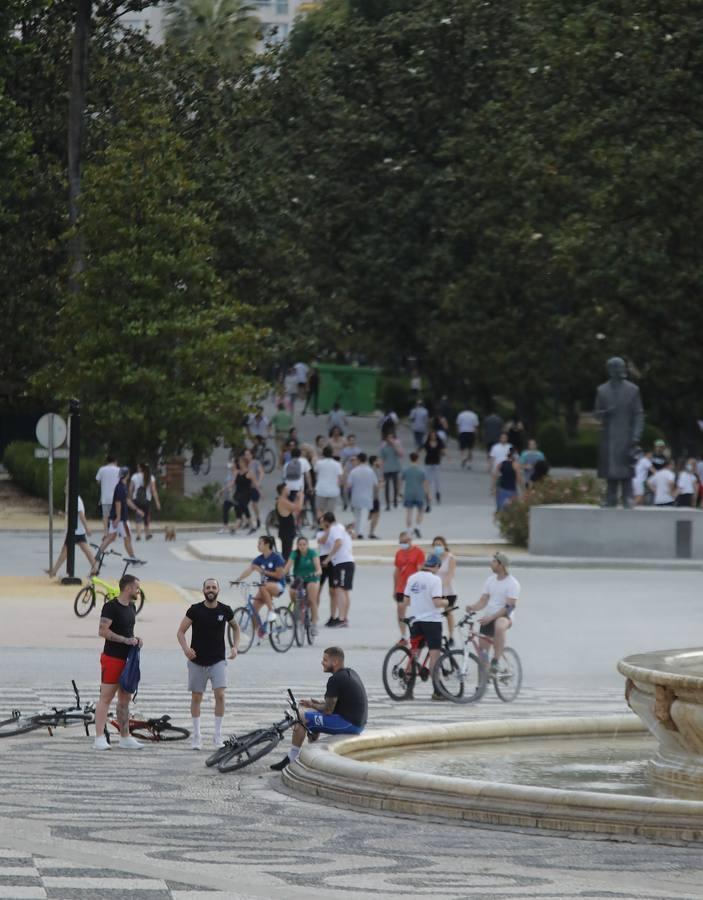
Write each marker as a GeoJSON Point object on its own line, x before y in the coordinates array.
{"type": "Point", "coordinates": [198, 676]}
{"type": "Point", "coordinates": [106, 508]}
{"type": "Point", "coordinates": [325, 504]}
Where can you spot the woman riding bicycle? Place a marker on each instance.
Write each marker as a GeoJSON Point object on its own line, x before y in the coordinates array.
{"type": "Point", "coordinates": [306, 569]}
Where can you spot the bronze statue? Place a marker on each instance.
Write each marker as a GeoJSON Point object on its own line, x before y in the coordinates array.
{"type": "Point", "coordinates": [619, 410]}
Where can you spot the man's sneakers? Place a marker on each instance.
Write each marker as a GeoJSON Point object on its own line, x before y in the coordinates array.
{"type": "Point", "coordinates": [101, 743]}
{"type": "Point", "coordinates": [332, 622]}
{"type": "Point", "coordinates": [281, 764]}
{"type": "Point", "coordinates": [129, 743]}
{"type": "Point", "coordinates": [196, 742]}
{"type": "Point", "coordinates": [416, 532]}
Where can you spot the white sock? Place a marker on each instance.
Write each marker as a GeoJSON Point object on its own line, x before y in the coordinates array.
{"type": "Point", "coordinates": [196, 726]}
{"type": "Point", "coordinates": [218, 727]}
{"type": "Point", "coordinates": [293, 753]}
{"type": "Point", "coordinates": [272, 615]}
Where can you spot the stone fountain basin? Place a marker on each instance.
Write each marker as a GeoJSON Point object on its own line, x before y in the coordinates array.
{"type": "Point", "coordinates": [334, 772]}
{"type": "Point", "coordinates": [665, 689]}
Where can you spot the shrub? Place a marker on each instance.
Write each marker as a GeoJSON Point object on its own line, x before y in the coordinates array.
{"type": "Point", "coordinates": [204, 507]}
{"type": "Point", "coordinates": [514, 518]}
{"type": "Point", "coordinates": [32, 475]}
{"type": "Point", "coordinates": [551, 438]}
{"type": "Point", "coordinates": [394, 393]}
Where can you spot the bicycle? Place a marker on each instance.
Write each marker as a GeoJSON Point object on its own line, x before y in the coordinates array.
{"type": "Point", "coordinates": [238, 752]}
{"type": "Point", "coordinates": [261, 451]}
{"type": "Point", "coordinates": [462, 676]}
{"type": "Point", "coordinates": [402, 665]}
{"type": "Point", "coordinates": [281, 632]}
{"type": "Point", "coordinates": [159, 729]}
{"type": "Point", "coordinates": [304, 629]}
{"type": "Point", "coordinates": [87, 597]}
{"type": "Point", "coordinates": [50, 719]}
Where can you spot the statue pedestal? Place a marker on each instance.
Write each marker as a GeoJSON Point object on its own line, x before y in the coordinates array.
{"type": "Point", "coordinates": [665, 689]}
{"type": "Point", "coordinates": [590, 531]}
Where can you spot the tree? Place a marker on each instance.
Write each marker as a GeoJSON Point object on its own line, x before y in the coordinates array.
{"type": "Point", "coordinates": [226, 30]}
{"type": "Point", "coordinates": [158, 353]}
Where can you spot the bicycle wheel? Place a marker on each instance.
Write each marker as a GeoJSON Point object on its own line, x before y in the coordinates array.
{"type": "Point", "coordinates": [457, 679]}
{"type": "Point", "coordinates": [230, 747]}
{"type": "Point", "coordinates": [268, 460]}
{"type": "Point", "coordinates": [282, 630]}
{"type": "Point", "coordinates": [250, 749]}
{"type": "Point", "coordinates": [139, 602]}
{"type": "Point", "coordinates": [85, 601]}
{"type": "Point", "coordinates": [299, 619]}
{"type": "Point", "coordinates": [309, 633]}
{"type": "Point", "coordinates": [247, 628]}
{"type": "Point", "coordinates": [399, 673]}
{"type": "Point", "coordinates": [508, 678]}
{"type": "Point", "coordinates": [158, 731]}
{"type": "Point", "coordinates": [18, 725]}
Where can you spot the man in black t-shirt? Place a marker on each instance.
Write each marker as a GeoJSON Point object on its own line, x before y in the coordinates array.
{"type": "Point", "coordinates": [206, 655]}
{"type": "Point", "coordinates": [117, 620]}
{"type": "Point", "coordinates": [343, 711]}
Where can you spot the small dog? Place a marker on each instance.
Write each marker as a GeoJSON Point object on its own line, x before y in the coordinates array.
{"type": "Point", "coordinates": [170, 533]}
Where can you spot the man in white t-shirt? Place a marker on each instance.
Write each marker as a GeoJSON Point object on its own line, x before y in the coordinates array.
{"type": "Point", "coordinates": [301, 373]}
{"type": "Point", "coordinates": [419, 419]}
{"type": "Point", "coordinates": [498, 601]}
{"type": "Point", "coordinates": [329, 482]}
{"type": "Point", "coordinates": [424, 601]}
{"type": "Point", "coordinates": [499, 452]}
{"type": "Point", "coordinates": [107, 477]}
{"type": "Point", "coordinates": [341, 559]}
{"type": "Point", "coordinates": [643, 469]}
{"type": "Point", "coordinates": [466, 426]}
{"type": "Point", "coordinates": [363, 490]}
{"type": "Point", "coordinates": [663, 483]}
{"type": "Point", "coordinates": [258, 424]}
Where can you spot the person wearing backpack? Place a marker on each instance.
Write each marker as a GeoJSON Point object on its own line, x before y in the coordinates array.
{"type": "Point", "coordinates": [296, 473]}
{"type": "Point", "coordinates": [117, 620]}
{"type": "Point", "coordinates": [142, 492]}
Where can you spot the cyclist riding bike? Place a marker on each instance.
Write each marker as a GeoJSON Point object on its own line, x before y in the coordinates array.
{"type": "Point", "coordinates": [269, 565]}
{"type": "Point", "coordinates": [305, 565]}
{"type": "Point", "coordinates": [498, 602]}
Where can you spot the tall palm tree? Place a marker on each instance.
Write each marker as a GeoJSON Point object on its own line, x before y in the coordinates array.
{"type": "Point", "coordinates": [227, 28]}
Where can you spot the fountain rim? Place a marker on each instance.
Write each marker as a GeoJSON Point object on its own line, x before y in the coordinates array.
{"type": "Point", "coordinates": [647, 668]}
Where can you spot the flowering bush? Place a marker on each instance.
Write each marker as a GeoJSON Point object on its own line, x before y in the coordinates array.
{"type": "Point", "coordinates": [514, 518]}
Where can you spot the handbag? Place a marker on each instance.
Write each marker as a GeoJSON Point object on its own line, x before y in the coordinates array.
{"type": "Point", "coordinates": [129, 679]}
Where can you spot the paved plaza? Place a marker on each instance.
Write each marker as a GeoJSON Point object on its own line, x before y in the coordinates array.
{"type": "Point", "coordinates": [158, 824]}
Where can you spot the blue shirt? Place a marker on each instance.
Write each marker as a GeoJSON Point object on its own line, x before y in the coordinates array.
{"type": "Point", "coordinates": [269, 564]}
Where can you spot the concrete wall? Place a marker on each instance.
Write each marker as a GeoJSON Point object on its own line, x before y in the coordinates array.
{"type": "Point", "coordinates": [589, 531]}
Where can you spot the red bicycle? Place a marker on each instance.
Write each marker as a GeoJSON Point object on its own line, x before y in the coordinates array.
{"type": "Point", "coordinates": [404, 664]}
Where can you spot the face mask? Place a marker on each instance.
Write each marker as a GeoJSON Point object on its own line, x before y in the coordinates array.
{"type": "Point", "coordinates": [689, 468]}
{"type": "Point", "coordinates": [438, 548]}
{"type": "Point", "coordinates": [404, 546]}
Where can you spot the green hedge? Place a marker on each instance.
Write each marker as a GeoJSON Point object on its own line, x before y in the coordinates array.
{"type": "Point", "coordinates": [32, 475]}
{"type": "Point", "coordinates": [514, 518]}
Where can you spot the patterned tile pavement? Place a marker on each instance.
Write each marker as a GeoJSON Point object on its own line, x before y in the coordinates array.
{"type": "Point", "coordinates": [156, 823]}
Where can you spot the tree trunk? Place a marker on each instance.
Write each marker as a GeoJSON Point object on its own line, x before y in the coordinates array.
{"type": "Point", "coordinates": [76, 122]}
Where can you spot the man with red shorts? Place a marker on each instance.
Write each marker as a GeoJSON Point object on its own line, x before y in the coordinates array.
{"type": "Point", "coordinates": [117, 627]}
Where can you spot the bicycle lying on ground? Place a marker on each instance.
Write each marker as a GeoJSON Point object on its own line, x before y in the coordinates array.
{"type": "Point", "coordinates": [50, 719]}
{"type": "Point", "coordinates": [462, 676]}
{"type": "Point", "coordinates": [281, 632]}
{"type": "Point", "coordinates": [238, 752]}
{"type": "Point", "coordinates": [403, 665]}
{"type": "Point", "coordinates": [159, 729]}
{"type": "Point", "coordinates": [102, 590]}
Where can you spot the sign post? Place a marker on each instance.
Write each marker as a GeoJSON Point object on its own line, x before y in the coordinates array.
{"type": "Point", "coordinates": [74, 447]}
{"type": "Point", "coordinates": [51, 433]}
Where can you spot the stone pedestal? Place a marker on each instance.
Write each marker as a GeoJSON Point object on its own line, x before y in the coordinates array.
{"type": "Point", "coordinates": [589, 531]}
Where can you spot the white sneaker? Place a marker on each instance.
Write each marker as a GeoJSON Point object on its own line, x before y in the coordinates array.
{"type": "Point", "coordinates": [217, 742]}
{"type": "Point", "coordinates": [101, 743]}
{"type": "Point", "coordinates": [272, 617]}
{"type": "Point", "coordinates": [222, 531]}
{"type": "Point", "coordinates": [196, 742]}
{"type": "Point", "coordinates": [130, 743]}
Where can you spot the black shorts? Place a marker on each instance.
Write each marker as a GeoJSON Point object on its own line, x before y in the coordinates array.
{"type": "Point", "coordinates": [326, 570]}
{"type": "Point", "coordinates": [466, 440]}
{"type": "Point", "coordinates": [78, 539]}
{"type": "Point", "coordinates": [343, 575]}
{"type": "Point", "coordinates": [400, 598]}
{"type": "Point", "coordinates": [254, 495]}
{"type": "Point", "coordinates": [490, 629]}
{"type": "Point", "coordinates": [375, 508]}
{"type": "Point", "coordinates": [431, 631]}
{"type": "Point", "coordinates": [451, 600]}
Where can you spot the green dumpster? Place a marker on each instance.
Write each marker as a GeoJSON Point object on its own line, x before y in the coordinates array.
{"type": "Point", "coordinates": [353, 387]}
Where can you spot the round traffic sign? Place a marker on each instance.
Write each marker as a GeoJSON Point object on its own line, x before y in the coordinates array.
{"type": "Point", "coordinates": [51, 425]}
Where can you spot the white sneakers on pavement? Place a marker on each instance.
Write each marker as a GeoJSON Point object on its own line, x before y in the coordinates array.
{"type": "Point", "coordinates": [101, 743]}
{"type": "Point", "coordinates": [129, 743]}
{"type": "Point", "coordinates": [196, 742]}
